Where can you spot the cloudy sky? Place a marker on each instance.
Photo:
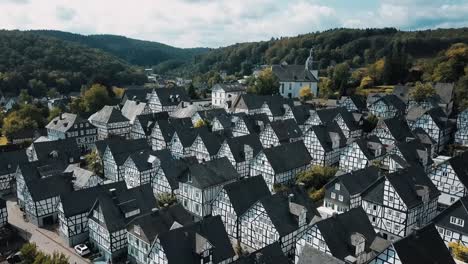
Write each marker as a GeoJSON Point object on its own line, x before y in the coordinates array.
{"type": "Point", "coordinates": [214, 23]}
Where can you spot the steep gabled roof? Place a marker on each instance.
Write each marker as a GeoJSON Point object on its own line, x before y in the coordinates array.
{"type": "Point", "coordinates": [64, 122]}
{"type": "Point", "coordinates": [108, 114]}
{"type": "Point", "coordinates": [271, 254]}
{"type": "Point", "coordinates": [445, 92]}
{"type": "Point", "coordinates": [9, 161]}
{"type": "Point", "coordinates": [48, 187]}
{"type": "Point", "coordinates": [409, 182]}
{"type": "Point", "coordinates": [286, 129]}
{"type": "Point", "coordinates": [325, 134]}
{"type": "Point", "coordinates": [169, 126]}
{"type": "Point", "coordinates": [301, 113]}
{"type": "Point", "coordinates": [398, 128]}
{"type": "Point", "coordinates": [210, 173]}
{"type": "Point", "coordinates": [358, 181]}
{"type": "Point", "coordinates": [338, 230]}
{"type": "Point", "coordinates": [246, 192]}
{"type": "Point", "coordinates": [423, 246]}
{"type": "Point", "coordinates": [132, 109]}
{"type": "Point", "coordinates": [391, 99]}
{"type": "Point", "coordinates": [176, 169]}
{"type": "Point", "coordinates": [293, 73]}
{"type": "Point", "coordinates": [359, 101]}
{"type": "Point", "coordinates": [459, 165]}
{"type": "Point", "coordinates": [63, 149]}
{"type": "Point", "coordinates": [147, 121]}
{"type": "Point", "coordinates": [236, 144]}
{"type": "Point", "coordinates": [144, 159]}
{"type": "Point", "coordinates": [288, 156]}
{"type": "Point", "coordinates": [230, 87]}
{"type": "Point", "coordinates": [171, 96]}
{"type": "Point", "coordinates": [458, 209]}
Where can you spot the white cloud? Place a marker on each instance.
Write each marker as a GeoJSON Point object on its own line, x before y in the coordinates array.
{"type": "Point", "coordinates": [213, 23]}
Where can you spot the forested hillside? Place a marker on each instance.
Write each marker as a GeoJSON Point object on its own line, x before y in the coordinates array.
{"type": "Point", "coordinates": [355, 46]}
{"type": "Point", "coordinates": [138, 52]}
{"type": "Point", "coordinates": [38, 63]}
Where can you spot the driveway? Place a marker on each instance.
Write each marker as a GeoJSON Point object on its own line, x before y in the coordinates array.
{"type": "Point", "coordinates": [47, 241]}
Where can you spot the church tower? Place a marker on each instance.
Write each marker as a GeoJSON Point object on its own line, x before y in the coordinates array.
{"type": "Point", "coordinates": [309, 65]}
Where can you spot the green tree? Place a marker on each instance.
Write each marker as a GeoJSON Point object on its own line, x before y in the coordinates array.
{"type": "Point", "coordinates": [422, 92]}
{"type": "Point", "coordinates": [54, 113]}
{"type": "Point", "coordinates": [29, 252]}
{"type": "Point", "coordinates": [52, 93]}
{"type": "Point", "coordinates": [461, 93]}
{"type": "Point", "coordinates": [341, 77]}
{"type": "Point", "coordinates": [26, 117]}
{"type": "Point", "coordinates": [316, 177]}
{"type": "Point", "coordinates": [24, 97]}
{"type": "Point", "coordinates": [94, 162]}
{"type": "Point", "coordinates": [192, 92]}
{"type": "Point", "coordinates": [266, 84]}
{"type": "Point", "coordinates": [95, 98]}
{"type": "Point", "coordinates": [370, 123]}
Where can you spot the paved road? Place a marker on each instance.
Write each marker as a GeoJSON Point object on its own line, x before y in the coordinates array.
{"type": "Point", "coordinates": [46, 240]}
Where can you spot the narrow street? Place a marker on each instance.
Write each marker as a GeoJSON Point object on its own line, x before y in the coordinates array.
{"type": "Point", "coordinates": [46, 240]}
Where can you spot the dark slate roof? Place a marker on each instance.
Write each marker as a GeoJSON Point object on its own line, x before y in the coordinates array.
{"type": "Point", "coordinates": [212, 113]}
{"type": "Point", "coordinates": [114, 205]}
{"type": "Point", "coordinates": [459, 165]}
{"type": "Point", "coordinates": [155, 223]}
{"type": "Point", "coordinates": [324, 134]}
{"type": "Point", "coordinates": [375, 192]}
{"type": "Point", "coordinates": [271, 254]}
{"type": "Point", "coordinates": [391, 99]}
{"type": "Point", "coordinates": [169, 126]}
{"type": "Point", "coordinates": [367, 146]}
{"type": "Point", "coordinates": [52, 186]}
{"type": "Point", "coordinates": [171, 96]}
{"type": "Point", "coordinates": [407, 182]}
{"type": "Point", "coordinates": [458, 209]}
{"type": "Point", "coordinates": [210, 173]}
{"type": "Point", "coordinates": [338, 229]}
{"type": "Point", "coordinates": [2, 203]}
{"type": "Point", "coordinates": [236, 144]}
{"type": "Point", "coordinates": [108, 114]}
{"type": "Point", "coordinates": [301, 113]}
{"type": "Point", "coordinates": [180, 244]}
{"type": "Point", "coordinates": [288, 156]}
{"type": "Point", "coordinates": [144, 159]}
{"type": "Point", "coordinates": [275, 102]}
{"type": "Point", "coordinates": [328, 114]}
{"type": "Point", "coordinates": [175, 169]}
{"type": "Point", "coordinates": [357, 181]}
{"type": "Point", "coordinates": [293, 73]}
{"type": "Point", "coordinates": [286, 129]}
{"type": "Point", "coordinates": [188, 135]}
{"type": "Point", "coordinates": [147, 121]}
{"type": "Point", "coordinates": [41, 169]}
{"type": "Point", "coordinates": [252, 122]}
{"type": "Point", "coordinates": [423, 246]}
{"type": "Point", "coordinates": [212, 141]}
{"type": "Point", "coordinates": [422, 136]}
{"type": "Point", "coordinates": [81, 201]}
{"type": "Point", "coordinates": [359, 101]}
{"type": "Point", "coordinates": [246, 192]}
{"type": "Point", "coordinates": [398, 128]}
{"type": "Point", "coordinates": [445, 92]}
{"type": "Point", "coordinates": [277, 208]}
{"type": "Point", "coordinates": [64, 148]}
{"type": "Point", "coordinates": [224, 120]}
{"type": "Point", "coordinates": [411, 151]}
{"type": "Point", "coordinates": [310, 255]}
{"type": "Point", "coordinates": [64, 122]}
{"type": "Point", "coordinates": [136, 94]}
{"type": "Point", "coordinates": [439, 117]}
{"type": "Point", "coordinates": [9, 161]}
{"type": "Point", "coordinates": [121, 148]}
{"type": "Point", "coordinates": [229, 87]}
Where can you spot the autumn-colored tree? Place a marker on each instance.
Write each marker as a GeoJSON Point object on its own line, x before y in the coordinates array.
{"type": "Point", "coordinates": [200, 123]}
{"type": "Point", "coordinates": [28, 116]}
{"type": "Point", "coordinates": [305, 93]}
{"type": "Point", "coordinates": [376, 70]}
{"type": "Point", "coordinates": [316, 177]}
{"type": "Point", "coordinates": [325, 87]}
{"type": "Point", "coordinates": [459, 251]}
{"type": "Point", "coordinates": [422, 92]}
{"type": "Point", "coordinates": [166, 199]}
{"type": "Point", "coordinates": [94, 163]}
{"type": "Point", "coordinates": [366, 82]}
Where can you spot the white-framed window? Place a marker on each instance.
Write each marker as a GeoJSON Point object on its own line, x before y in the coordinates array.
{"type": "Point", "coordinates": [337, 186]}
{"type": "Point", "coordinates": [457, 221]}
{"type": "Point", "coordinates": [333, 195]}
{"type": "Point", "coordinates": [441, 230]}
{"type": "Point", "coordinates": [340, 198]}
{"type": "Point", "coordinates": [448, 233]}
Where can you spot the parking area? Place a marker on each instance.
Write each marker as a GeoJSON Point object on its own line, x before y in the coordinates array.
{"type": "Point", "coordinates": [47, 241]}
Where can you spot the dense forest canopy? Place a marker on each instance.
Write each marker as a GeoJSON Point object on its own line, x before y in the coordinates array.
{"type": "Point", "coordinates": [137, 52]}
{"type": "Point", "coordinates": [357, 47]}
{"type": "Point", "coordinates": [38, 63]}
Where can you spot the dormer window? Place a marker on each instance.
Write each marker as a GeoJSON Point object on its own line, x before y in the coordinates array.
{"type": "Point", "coordinates": [137, 230]}
{"type": "Point", "coordinates": [457, 221]}
{"type": "Point", "coordinates": [337, 186]}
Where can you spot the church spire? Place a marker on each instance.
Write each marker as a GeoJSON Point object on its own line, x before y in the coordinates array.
{"type": "Point", "coordinates": [309, 65]}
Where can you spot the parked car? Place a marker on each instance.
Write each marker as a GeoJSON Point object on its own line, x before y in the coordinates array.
{"type": "Point", "coordinates": [15, 258]}
{"type": "Point", "coordinates": [82, 250]}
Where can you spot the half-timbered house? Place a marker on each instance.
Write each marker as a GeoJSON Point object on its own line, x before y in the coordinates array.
{"type": "Point", "coordinates": [144, 231]}
{"type": "Point", "coordinates": [110, 121]}
{"type": "Point", "coordinates": [83, 178]}
{"type": "Point", "coordinates": [206, 145]}
{"type": "Point", "coordinates": [348, 236]}
{"type": "Point", "coordinates": [41, 197]}
{"type": "Point", "coordinates": [437, 125]}
{"type": "Point", "coordinates": [249, 124]}
{"type": "Point", "coordinates": [361, 153]}
{"type": "Point", "coordinates": [166, 180]}
{"type": "Point", "coordinates": [461, 135]}
{"type": "Point", "coordinates": [110, 215]}
{"type": "Point", "coordinates": [387, 106]}
{"type": "Point", "coordinates": [424, 246]}
{"type": "Point", "coordinates": [281, 164]}
{"type": "Point", "coordinates": [201, 183]}
{"type": "Point", "coordinates": [344, 191]}
{"type": "Point", "coordinates": [406, 154]}
{"type": "Point", "coordinates": [131, 109]}
{"type": "Point", "coordinates": [450, 223]}
{"type": "Point", "coordinates": [73, 209]}
{"type": "Point", "coordinates": [205, 241]}
{"type": "Point", "coordinates": [300, 114]}
{"type": "Point", "coordinates": [167, 99]}
{"type": "Point", "coordinates": [325, 143]}
{"type": "Point", "coordinates": [9, 162]}
{"type": "Point", "coordinates": [144, 124]}
{"type": "Point", "coordinates": [183, 140]}
{"type": "Point", "coordinates": [208, 115]}
{"type": "Point", "coordinates": [451, 178]}
{"type": "Point", "coordinates": [278, 218]}
{"type": "Point", "coordinates": [280, 132]}
{"type": "Point", "coordinates": [271, 105]}
{"type": "Point", "coordinates": [240, 151]}
{"type": "Point", "coordinates": [400, 202]}
{"type": "Point", "coordinates": [164, 130]}
{"type": "Point", "coordinates": [392, 130]}
{"type": "Point", "coordinates": [223, 94]}
{"type": "Point", "coordinates": [271, 254]}
{"type": "Point", "coordinates": [235, 199]}
{"type": "Point", "coordinates": [141, 167]}
{"type": "Point", "coordinates": [354, 103]}
{"type": "Point", "coordinates": [65, 150]}
{"type": "Point", "coordinates": [68, 125]}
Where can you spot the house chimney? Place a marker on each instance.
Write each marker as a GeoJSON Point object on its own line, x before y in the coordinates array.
{"type": "Point", "coordinates": [61, 116]}
{"type": "Point", "coordinates": [423, 192]}
{"type": "Point", "coordinates": [113, 192]}
{"type": "Point", "coordinates": [359, 242]}
{"type": "Point", "coordinates": [335, 139]}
